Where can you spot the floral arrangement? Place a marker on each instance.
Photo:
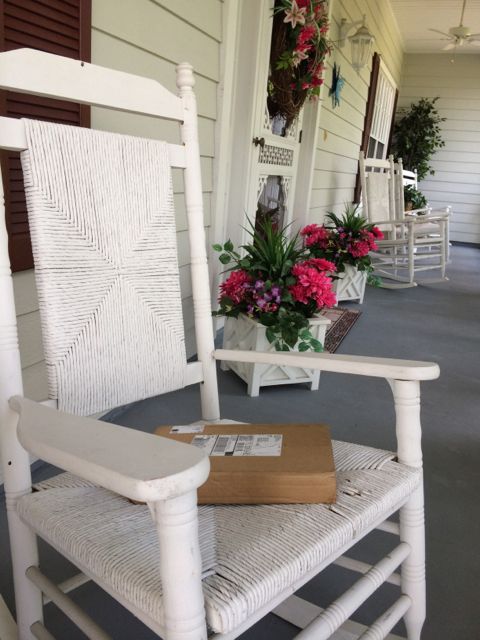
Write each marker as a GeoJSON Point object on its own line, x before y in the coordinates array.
{"type": "Point", "coordinates": [298, 50]}
{"type": "Point", "coordinates": [278, 283]}
{"type": "Point", "coordinates": [345, 240]}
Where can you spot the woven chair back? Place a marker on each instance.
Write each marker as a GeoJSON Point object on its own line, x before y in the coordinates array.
{"type": "Point", "coordinates": [104, 241]}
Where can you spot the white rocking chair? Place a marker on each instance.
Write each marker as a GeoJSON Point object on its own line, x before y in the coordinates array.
{"type": "Point", "coordinates": [408, 248]}
{"type": "Point", "coordinates": [103, 230]}
{"type": "Point", "coordinates": [428, 219]}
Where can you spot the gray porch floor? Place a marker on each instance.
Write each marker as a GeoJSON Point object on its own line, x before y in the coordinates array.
{"type": "Point", "coordinates": [438, 322]}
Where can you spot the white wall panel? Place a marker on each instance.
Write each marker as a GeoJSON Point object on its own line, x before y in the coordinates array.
{"type": "Point", "coordinates": [340, 133]}
{"type": "Point", "coordinates": [457, 164]}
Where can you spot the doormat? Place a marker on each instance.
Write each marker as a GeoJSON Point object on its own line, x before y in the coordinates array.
{"type": "Point", "coordinates": [342, 321]}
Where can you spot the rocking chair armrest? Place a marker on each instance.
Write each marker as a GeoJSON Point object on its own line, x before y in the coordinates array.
{"type": "Point", "coordinates": [337, 363]}
{"type": "Point", "coordinates": [414, 212]}
{"type": "Point", "coordinates": [430, 218]}
{"type": "Point", "coordinates": [137, 465]}
{"type": "Point", "coordinates": [444, 212]}
{"type": "Point", "coordinates": [431, 214]}
{"type": "Point", "coordinates": [394, 221]}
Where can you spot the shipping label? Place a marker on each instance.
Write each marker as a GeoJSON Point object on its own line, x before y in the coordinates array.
{"type": "Point", "coordinates": [264, 444]}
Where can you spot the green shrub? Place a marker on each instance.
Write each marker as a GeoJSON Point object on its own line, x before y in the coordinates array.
{"type": "Point", "coordinates": [417, 135]}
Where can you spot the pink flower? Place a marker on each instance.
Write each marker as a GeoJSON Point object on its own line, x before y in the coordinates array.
{"type": "Point", "coordinates": [310, 228]}
{"type": "Point", "coordinates": [377, 233]}
{"type": "Point", "coordinates": [316, 82]}
{"type": "Point", "coordinates": [307, 33]}
{"type": "Point", "coordinates": [315, 235]}
{"type": "Point", "coordinates": [295, 15]}
{"type": "Point", "coordinates": [321, 264]}
{"type": "Point", "coordinates": [236, 286]}
{"type": "Point", "coordinates": [359, 248]}
{"type": "Point", "coordinates": [312, 285]}
{"type": "Point", "coordinates": [299, 54]}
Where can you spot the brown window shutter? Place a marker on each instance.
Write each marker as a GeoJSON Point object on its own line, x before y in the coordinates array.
{"type": "Point", "coordinates": [55, 26]}
{"type": "Point", "coordinates": [367, 124]}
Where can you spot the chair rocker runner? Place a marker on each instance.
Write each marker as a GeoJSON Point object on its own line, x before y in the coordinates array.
{"type": "Point", "coordinates": [104, 240]}
{"type": "Point", "coordinates": [407, 249]}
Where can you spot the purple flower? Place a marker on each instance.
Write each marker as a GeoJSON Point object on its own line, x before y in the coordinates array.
{"type": "Point", "coordinates": [259, 284]}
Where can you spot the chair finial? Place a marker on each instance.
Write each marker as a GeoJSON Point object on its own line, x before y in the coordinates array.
{"type": "Point", "coordinates": [185, 77]}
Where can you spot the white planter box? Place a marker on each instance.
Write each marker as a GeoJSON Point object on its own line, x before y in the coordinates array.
{"type": "Point", "coordinates": [350, 284]}
{"type": "Point", "coordinates": [248, 334]}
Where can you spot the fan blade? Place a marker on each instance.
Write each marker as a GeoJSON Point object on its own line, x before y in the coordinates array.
{"type": "Point", "coordinates": [474, 35]}
{"type": "Point", "coordinates": [476, 43]}
{"type": "Point", "coordinates": [449, 35]}
{"type": "Point", "coordinates": [450, 46]}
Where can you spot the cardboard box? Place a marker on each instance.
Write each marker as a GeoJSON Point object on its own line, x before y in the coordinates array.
{"type": "Point", "coordinates": [263, 463]}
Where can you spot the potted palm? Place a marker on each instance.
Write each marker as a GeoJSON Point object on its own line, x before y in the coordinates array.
{"type": "Point", "coordinates": [271, 298]}
{"type": "Point", "coordinates": [346, 242]}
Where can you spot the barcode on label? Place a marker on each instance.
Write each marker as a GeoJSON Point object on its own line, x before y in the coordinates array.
{"type": "Point", "coordinates": [225, 446]}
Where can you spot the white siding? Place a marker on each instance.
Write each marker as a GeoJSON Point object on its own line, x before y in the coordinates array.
{"type": "Point", "coordinates": [145, 37]}
{"type": "Point", "coordinates": [457, 164]}
{"type": "Point", "coordinates": [341, 128]}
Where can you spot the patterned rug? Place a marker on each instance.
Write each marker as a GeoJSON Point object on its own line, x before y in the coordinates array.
{"type": "Point", "coordinates": [342, 321]}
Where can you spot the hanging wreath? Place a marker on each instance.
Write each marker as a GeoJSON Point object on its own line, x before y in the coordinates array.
{"type": "Point", "coordinates": [297, 55]}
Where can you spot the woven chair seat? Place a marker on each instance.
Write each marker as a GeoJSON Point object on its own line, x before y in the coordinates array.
{"type": "Point", "coordinates": [261, 550]}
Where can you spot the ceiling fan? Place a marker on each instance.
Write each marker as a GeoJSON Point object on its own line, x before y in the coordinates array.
{"type": "Point", "coordinates": [458, 36]}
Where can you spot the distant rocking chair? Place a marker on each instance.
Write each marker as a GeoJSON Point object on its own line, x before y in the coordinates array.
{"type": "Point", "coordinates": [410, 245]}
{"type": "Point", "coordinates": [104, 240]}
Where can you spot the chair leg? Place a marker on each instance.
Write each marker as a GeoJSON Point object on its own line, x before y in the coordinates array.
{"type": "Point", "coordinates": [28, 598]}
{"type": "Point", "coordinates": [180, 567]}
{"type": "Point", "coordinates": [411, 255]}
{"type": "Point", "coordinates": [412, 531]}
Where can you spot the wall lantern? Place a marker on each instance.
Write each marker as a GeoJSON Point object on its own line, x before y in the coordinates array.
{"type": "Point", "coordinates": [361, 42]}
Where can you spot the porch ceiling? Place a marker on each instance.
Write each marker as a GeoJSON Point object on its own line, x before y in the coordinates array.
{"type": "Point", "coordinates": [415, 17]}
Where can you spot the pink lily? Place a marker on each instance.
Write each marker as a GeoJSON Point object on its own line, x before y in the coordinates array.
{"type": "Point", "coordinates": [295, 15]}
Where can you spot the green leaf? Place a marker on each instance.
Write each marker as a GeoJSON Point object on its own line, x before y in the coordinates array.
{"type": "Point", "coordinates": [270, 335]}
{"type": "Point", "coordinates": [226, 300]}
{"type": "Point", "coordinates": [303, 346]}
{"type": "Point", "coordinates": [224, 258]}
{"type": "Point", "coordinates": [217, 247]}
{"type": "Point", "coordinates": [290, 335]}
{"type": "Point", "coordinates": [267, 319]}
{"type": "Point", "coordinates": [316, 345]}
{"type": "Point", "coordinates": [228, 246]}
